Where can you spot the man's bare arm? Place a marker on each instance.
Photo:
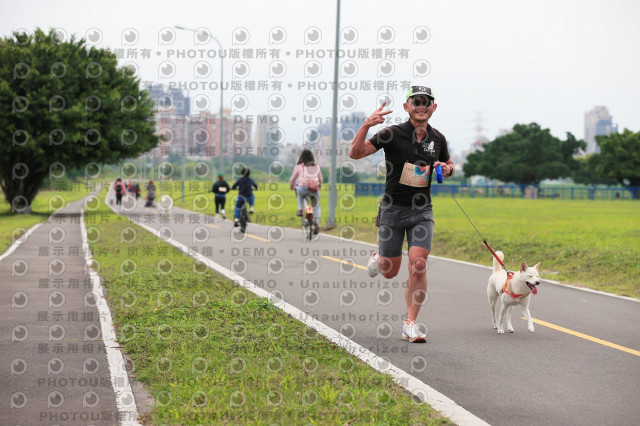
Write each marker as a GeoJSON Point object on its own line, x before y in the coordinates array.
{"type": "Point", "coordinates": [362, 147]}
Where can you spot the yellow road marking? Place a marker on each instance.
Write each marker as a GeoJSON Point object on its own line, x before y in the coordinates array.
{"type": "Point", "coordinates": [344, 261]}
{"type": "Point", "coordinates": [248, 235]}
{"type": "Point", "coordinates": [535, 320]}
{"type": "Point", "coordinates": [586, 336]}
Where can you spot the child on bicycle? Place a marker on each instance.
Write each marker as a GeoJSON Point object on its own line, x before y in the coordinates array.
{"type": "Point", "coordinates": [306, 180]}
{"type": "Point", "coordinates": [245, 186]}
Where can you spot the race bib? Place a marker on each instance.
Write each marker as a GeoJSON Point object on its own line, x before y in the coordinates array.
{"type": "Point", "coordinates": [413, 175]}
{"type": "Point", "coordinates": [222, 189]}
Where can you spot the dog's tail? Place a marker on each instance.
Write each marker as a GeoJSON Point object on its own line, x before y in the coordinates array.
{"type": "Point", "coordinates": [496, 264]}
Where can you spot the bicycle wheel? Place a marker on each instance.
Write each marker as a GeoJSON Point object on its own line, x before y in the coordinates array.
{"type": "Point", "coordinates": [243, 219]}
{"type": "Point", "coordinates": [308, 219]}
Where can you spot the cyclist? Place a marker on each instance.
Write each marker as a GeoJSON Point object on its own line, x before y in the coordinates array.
{"type": "Point", "coordinates": [306, 180]}
{"type": "Point", "coordinates": [245, 186]}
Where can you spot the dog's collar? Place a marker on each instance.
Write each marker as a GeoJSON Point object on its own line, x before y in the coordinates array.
{"type": "Point", "coordinates": [505, 289]}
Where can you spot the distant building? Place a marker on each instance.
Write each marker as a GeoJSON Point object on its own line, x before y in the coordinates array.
{"type": "Point", "coordinates": [598, 121]}
{"type": "Point", "coordinates": [169, 101]}
{"type": "Point", "coordinates": [352, 121]}
{"type": "Point", "coordinates": [325, 129]}
{"type": "Point", "coordinates": [264, 142]}
{"type": "Point", "coordinates": [199, 134]}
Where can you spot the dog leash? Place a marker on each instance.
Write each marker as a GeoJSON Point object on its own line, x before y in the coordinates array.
{"type": "Point", "coordinates": [484, 240]}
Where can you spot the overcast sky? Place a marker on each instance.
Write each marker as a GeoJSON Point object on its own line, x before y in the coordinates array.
{"type": "Point", "coordinates": [511, 61]}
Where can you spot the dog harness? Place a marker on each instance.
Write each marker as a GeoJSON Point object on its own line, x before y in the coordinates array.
{"type": "Point", "coordinates": [505, 289]}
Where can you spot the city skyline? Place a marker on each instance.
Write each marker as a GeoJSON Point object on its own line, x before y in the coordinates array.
{"type": "Point", "coordinates": [516, 63]}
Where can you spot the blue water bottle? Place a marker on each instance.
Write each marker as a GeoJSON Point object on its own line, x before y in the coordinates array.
{"type": "Point", "coordinates": [439, 173]}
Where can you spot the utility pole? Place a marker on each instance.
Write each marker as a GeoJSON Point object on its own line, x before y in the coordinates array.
{"type": "Point", "coordinates": [333, 173]}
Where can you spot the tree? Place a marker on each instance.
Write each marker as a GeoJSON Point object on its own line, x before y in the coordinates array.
{"type": "Point", "coordinates": [348, 174]}
{"type": "Point", "coordinates": [64, 105]}
{"type": "Point", "coordinates": [526, 156]}
{"type": "Point", "coordinates": [586, 175]}
{"type": "Point", "coordinates": [619, 158]}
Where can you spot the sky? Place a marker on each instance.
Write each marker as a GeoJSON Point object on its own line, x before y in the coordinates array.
{"type": "Point", "coordinates": [491, 64]}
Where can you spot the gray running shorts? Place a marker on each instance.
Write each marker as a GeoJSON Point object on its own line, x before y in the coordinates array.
{"type": "Point", "coordinates": [395, 221]}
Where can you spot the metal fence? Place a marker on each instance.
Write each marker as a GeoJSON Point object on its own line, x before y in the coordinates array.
{"type": "Point", "coordinates": [517, 191]}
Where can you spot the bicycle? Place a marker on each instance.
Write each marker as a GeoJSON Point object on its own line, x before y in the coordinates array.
{"type": "Point", "coordinates": [308, 220]}
{"type": "Point", "coordinates": [244, 215]}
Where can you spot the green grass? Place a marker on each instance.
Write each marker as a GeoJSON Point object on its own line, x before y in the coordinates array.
{"type": "Point", "coordinates": [594, 244]}
{"type": "Point", "coordinates": [46, 202]}
{"type": "Point", "coordinates": [212, 352]}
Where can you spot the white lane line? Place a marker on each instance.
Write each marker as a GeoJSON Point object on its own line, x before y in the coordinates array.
{"type": "Point", "coordinates": [17, 243]}
{"type": "Point", "coordinates": [125, 401]}
{"type": "Point", "coordinates": [462, 262]}
{"type": "Point", "coordinates": [421, 390]}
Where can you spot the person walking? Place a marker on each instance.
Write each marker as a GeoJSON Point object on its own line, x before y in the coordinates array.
{"type": "Point", "coordinates": [220, 189]}
{"type": "Point", "coordinates": [120, 189]}
{"type": "Point", "coordinates": [245, 186]}
{"type": "Point", "coordinates": [306, 180]}
{"type": "Point", "coordinates": [151, 194]}
{"type": "Point", "coordinates": [412, 151]}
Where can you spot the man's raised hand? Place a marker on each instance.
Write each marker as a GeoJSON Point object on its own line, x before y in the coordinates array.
{"type": "Point", "coordinates": [377, 117]}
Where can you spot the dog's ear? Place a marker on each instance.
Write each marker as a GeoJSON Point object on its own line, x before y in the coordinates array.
{"type": "Point", "coordinates": [536, 265]}
{"type": "Point", "coordinates": [523, 267]}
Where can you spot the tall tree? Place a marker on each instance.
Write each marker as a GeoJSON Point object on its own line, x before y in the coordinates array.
{"type": "Point", "coordinates": [64, 105]}
{"type": "Point", "coordinates": [619, 158]}
{"type": "Point", "coordinates": [526, 156]}
{"type": "Point", "coordinates": [585, 174]}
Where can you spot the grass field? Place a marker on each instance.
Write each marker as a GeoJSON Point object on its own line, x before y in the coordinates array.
{"type": "Point", "coordinates": [211, 352]}
{"type": "Point", "coordinates": [192, 335]}
{"type": "Point", "coordinates": [595, 244]}
{"type": "Point", "coordinates": [45, 203]}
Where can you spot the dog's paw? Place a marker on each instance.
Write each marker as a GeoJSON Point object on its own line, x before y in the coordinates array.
{"type": "Point", "coordinates": [511, 330]}
{"type": "Point", "coordinates": [531, 329]}
{"type": "Point", "coordinates": [500, 331]}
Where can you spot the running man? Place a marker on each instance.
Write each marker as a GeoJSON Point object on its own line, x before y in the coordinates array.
{"type": "Point", "coordinates": [412, 150]}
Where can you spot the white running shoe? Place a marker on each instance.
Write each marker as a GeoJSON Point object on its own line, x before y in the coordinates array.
{"type": "Point", "coordinates": [412, 333]}
{"type": "Point", "coordinates": [372, 266]}
{"type": "Point", "coordinates": [224, 214]}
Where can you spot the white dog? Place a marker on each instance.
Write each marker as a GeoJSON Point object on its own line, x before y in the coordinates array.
{"type": "Point", "coordinates": [513, 291]}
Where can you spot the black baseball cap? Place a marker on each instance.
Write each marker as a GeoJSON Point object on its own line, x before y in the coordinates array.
{"type": "Point", "coordinates": [420, 90]}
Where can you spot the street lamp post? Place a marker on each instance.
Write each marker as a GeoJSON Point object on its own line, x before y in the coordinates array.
{"type": "Point", "coordinates": [221, 138]}
{"type": "Point", "coordinates": [333, 174]}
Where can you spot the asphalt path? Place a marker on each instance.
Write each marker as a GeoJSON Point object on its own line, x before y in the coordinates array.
{"type": "Point", "coordinates": [54, 367]}
{"type": "Point", "coordinates": [553, 376]}
{"type": "Point", "coordinates": [582, 367]}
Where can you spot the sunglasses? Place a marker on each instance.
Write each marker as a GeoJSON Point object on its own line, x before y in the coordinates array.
{"type": "Point", "coordinates": [421, 100]}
